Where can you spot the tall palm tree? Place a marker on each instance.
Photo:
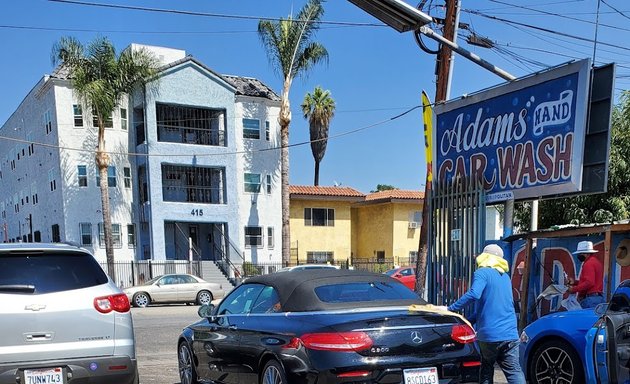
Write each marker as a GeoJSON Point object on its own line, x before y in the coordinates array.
{"type": "Point", "coordinates": [292, 52]}
{"type": "Point", "coordinates": [319, 109]}
{"type": "Point", "coordinates": [100, 78]}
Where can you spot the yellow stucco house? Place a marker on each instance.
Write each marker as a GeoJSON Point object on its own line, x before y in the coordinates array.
{"type": "Point", "coordinates": [338, 224]}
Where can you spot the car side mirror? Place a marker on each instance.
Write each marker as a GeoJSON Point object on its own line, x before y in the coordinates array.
{"type": "Point", "coordinates": [601, 308]}
{"type": "Point", "coordinates": [206, 311]}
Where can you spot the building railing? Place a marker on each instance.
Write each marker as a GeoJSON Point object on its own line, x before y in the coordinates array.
{"type": "Point", "coordinates": [137, 272]}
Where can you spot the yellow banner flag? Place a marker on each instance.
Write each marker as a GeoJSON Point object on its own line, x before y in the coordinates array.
{"type": "Point", "coordinates": [427, 115]}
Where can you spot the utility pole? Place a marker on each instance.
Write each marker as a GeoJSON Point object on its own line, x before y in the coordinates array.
{"type": "Point", "coordinates": [443, 79]}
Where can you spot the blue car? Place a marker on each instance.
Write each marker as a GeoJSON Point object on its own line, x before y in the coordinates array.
{"type": "Point", "coordinates": [572, 347]}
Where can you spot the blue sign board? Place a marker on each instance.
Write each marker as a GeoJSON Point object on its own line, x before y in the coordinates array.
{"type": "Point", "coordinates": [524, 139]}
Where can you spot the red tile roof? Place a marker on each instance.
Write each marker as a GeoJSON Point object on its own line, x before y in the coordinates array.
{"type": "Point", "coordinates": [395, 194]}
{"type": "Point", "coordinates": [324, 191]}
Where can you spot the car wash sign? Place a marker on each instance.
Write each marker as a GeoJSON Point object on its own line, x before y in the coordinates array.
{"type": "Point", "coordinates": [522, 140]}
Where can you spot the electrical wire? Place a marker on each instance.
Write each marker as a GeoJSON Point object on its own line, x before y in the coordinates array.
{"type": "Point", "coordinates": [615, 9]}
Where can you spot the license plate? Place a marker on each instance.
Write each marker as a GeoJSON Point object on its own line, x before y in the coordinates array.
{"type": "Point", "coordinates": [44, 376]}
{"type": "Point", "coordinates": [421, 376]}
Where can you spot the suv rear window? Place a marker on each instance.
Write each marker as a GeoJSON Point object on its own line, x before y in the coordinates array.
{"type": "Point", "coordinates": [364, 291]}
{"type": "Point", "coordinates": [48, 272]}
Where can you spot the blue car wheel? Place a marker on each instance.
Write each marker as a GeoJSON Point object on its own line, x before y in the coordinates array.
{"type": "Point", "coordinates": [555, 362]}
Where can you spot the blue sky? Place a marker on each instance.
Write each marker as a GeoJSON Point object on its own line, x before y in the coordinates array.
{"type": "Point", "coordinates": [374, 73]}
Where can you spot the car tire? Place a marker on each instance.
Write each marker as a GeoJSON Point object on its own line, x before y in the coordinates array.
{"type": "Point", "coordinates": [555, 361]}
{"type": "Point", "coordinates": [187, 372]}
{"type": "Point", "coordinates": [273, 373]}
{"type": "Point", "coordinates": [141, 299]}
{"type": "Point", "coordinates": [204, 297]}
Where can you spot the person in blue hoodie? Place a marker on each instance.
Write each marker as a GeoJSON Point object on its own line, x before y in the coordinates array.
{"type": "Point", "coordinates": [495, 318]}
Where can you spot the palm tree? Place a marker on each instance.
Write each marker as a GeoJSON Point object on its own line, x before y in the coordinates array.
{"type": "Point", "coordinates": [319, 109]}
{"type": "Point", "coordinates": [292, 53]}
{"type": "Point", "coordinates": [100, 78]}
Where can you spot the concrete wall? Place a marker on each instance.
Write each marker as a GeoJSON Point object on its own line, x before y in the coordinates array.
{"type": "Point", "coordinates": [375, 230]}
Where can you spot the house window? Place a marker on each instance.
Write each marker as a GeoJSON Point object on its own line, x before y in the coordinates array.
{"type": "Point", "coordinates": [35, 198]}
{"type": "Point", "coordinates": [268, 184]}
{"type": "Point", "coordinates": [319, 257]}
{"type": "Point", "coordinates": [127, 177]}
{"type": "Point", "coordinates": [319, 217]}
{"type": "Point", "coordinates": [47, 121]}
{"type": "Point", "coordinates": [86, 233]}
{"type": "Point", "coordinates": [111, 177]}
{"type": "Point", "coordinates": [56, 234]}
{"type": "Point", "coordinates": [51, 180]}
{"type": "Point", "coordinates": [252, 182]}
{"type": "Point", "coordinates": [78, 115]}
{"type": "Point", "coordinates": [270, 242]}
{"type": "Point", "coordinates": [251, 129]}
{"type": "Point", "coordinates": [267, 131]}
{"type": "Point", "coordinates": [380, 256]}
{"type": "Point", "coordinates": [116, 236]}
{"type": "Point", "coordinates": [253, 237]}
{"type": "Point", "coordinates": [131, 235]}
{"type": "Point", "coordinates": [416, 217]}
{"type": "Point", "coordinates": [123, 119]}
{"type": "Point", "coordinates": [31, 146]}
{"type": "Point", "coordinates": [82, 174]}
{"type": "Point", "coordinates": [108, 123]}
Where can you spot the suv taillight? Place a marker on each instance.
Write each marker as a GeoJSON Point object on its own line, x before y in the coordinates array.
{"type": "Point", "coordinates": [118, 303]}
{"type": "Point", "coordinates": [463, 333]}
{"type": "Point", "coordinates": [340, 341]}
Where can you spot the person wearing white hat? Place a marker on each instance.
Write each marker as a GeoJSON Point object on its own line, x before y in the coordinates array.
{"type": "Point", "coordinates": [590, 286]}
{"type": "Point", "coordinates": [494, 318]}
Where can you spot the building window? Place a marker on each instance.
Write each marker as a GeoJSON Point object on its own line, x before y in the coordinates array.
{"type": "Point", "coordinates": [47, 121]}
{"type": "Point", "coordinates": [252, 182]}
{"type": "Point", "coordinates": [200, 126]}
{"type": "Point", "coordinates": [111, 177]}
{"type": "Point", "coordinates": [82, 174]}
{"type": "Point", "coordinates": [108, 123]}
{"type": "Point", "coordinates": [116, 236]}
{"type": "Point", "coordinates": [35, 198]}
{"type": "Point", "coordinates": [131, 235]}
{"type": "Point", "coordinates": [189, 184]}
{"type": "Point", "coordinates": [127, 177]}
{"type": "Point", "coordinates": [268, 185]}
{"type": "Point", "coordinates": [31, 146]}
{"type": "Point", "coordinates": [415, 217]}
{"type": "Point", "coordinates": [123, 119]}
{"type": "Point", "coordinates": [86, 233]}
{"type": "Point", "coordinates": [251, 129]}
{"type": "Point", "coordinates": [380, 256]}
{"type": "Point", "coordinates": [270, 242]}
{"type": "Point", "coordinates": [319, 257]}
{"type": "Point", "coordinates": [56, 234]}
{"type": "Point", "coordinates": [267, 131]}
{"type": "Point", "coordinates": [51, 180]}
{"type": "Point", "coordinates": [37, 235]}
{"type": "Point", "coordinates": [78, 115]}
{"type": "Point", "coordinates": [413, 257]}
{"type": "Point", "coordinates": [253, 237]}
{"type": "Point", "coordinates": [319, 217]}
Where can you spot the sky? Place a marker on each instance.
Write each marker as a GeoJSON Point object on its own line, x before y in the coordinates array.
{"type": "Point", "coordinates": [374, 73]}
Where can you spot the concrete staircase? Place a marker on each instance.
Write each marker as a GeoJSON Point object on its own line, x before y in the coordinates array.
{"type": "Point", "coordinates": [211, 273]}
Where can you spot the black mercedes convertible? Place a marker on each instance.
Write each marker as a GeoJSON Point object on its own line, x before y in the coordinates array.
{"type": "Point", "coordinates": [326, 326]}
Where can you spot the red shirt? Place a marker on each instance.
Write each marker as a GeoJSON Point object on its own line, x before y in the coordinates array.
{"type": "Point", "coordinates": [591, 277]}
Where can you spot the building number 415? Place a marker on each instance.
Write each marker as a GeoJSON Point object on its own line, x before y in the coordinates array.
{"type": "Point", "coordinates": [197, 212]}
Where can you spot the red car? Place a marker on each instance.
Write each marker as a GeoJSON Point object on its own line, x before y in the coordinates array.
{"type": "Point", "coordinates": [406, 275]}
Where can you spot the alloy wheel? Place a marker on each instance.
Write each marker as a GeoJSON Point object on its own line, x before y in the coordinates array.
{"type": "Point", "coordinates": [554, 366]}
{"type": "Point", "coordinates": [185, 365]}
{"type": "Point", "coordinates": [272, 375]}
{"type": "Point", "coordinates": [204, 297]}
{"type": "Point", "coordinates": [141, 299]}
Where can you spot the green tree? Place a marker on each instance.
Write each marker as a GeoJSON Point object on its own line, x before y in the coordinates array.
{"type": "Point", "coordinates": [292, 52]}
{"type": "Point", "coordinates": [319, 108]}
{"type": "Point", "coordinates": [383, 187]}
{"type": "Point", "coordinates": [100, 78]}
{"type": "Point", "coordinates": [600, 208]}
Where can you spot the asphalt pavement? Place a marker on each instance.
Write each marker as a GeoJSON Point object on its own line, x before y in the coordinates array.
{"type": "Point", "coordinates": [157, 329]}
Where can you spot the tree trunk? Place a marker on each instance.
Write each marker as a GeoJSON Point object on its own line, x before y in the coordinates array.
{"type": "Point", "coordinates": [285, 120]}
{"type": "Point", "coordinates": [102, 162]}
{"type": "Point", "coordinates": [316, 182]}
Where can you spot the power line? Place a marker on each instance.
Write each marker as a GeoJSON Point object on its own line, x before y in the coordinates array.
{"type": "Point", "coordinates": [206, 14]}
{"type": "Point", "coordinates": [34, 28]}
{"type": "Point", "coordinates": [615, 9]}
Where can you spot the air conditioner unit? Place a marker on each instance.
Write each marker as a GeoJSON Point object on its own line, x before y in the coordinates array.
{"type": "Point", "coordinates": [413, 224]}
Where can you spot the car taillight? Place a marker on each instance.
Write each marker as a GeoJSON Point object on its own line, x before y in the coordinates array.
{"type": "Point", "coordinates": [118, 303]}
{"type": "Point", "coordinates": [463, 333]}
{"type": "Point", "coordinates": [340, 341]}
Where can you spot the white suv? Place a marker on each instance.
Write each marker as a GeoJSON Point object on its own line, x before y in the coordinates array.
{"type": "Point", "coordinates": [63, 320]}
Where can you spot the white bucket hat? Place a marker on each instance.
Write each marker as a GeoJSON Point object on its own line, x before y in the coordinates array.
{"type": "Point", "coordinates": [584, 247]}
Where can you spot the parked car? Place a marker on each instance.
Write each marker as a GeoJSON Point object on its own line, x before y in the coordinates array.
{"type": "Point", "coordinates": [325, 326]}
{"type": "Point", "coordinates": [63, 320]}
{"type": "Point", "coordinates": [174, 288]}
{"type": "Point", "coordinates": [308, 266]}
{"type": "Point", "coordinates": [406, 275]}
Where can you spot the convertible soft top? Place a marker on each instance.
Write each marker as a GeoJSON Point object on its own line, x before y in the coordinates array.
{"type": "Point", "coordinates": [296, 289]}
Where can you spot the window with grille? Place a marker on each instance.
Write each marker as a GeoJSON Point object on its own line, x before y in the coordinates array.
{"type": "Point", "coordinates": [193, 184]}
{"type": "Point", "coordinates": [319, 217]}
{"type": "Point", "coordinates": [82, 175]}
{"type": "Point", "coordinates": [253, 237]}
{"type": "Point", "coordinates": [252, 182]}
{"type": "Point", "coordinates": [86, 233]}
{"type": "Point", "coordinates": [116, 236]}
{"type": "Point", "coordinates": [251, 129]}
{"type": "Point", "coordinates": [190, 125]}
{"type": "Point", "coordinates": [319, 257]}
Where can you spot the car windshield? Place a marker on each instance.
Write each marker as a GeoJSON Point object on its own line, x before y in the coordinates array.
{"type": "Point", "coordinates": [153, 280]}
{"type": "Point", "coordinates": [391, 272]}
{"type": "Point", "coordinates": [364, 291]}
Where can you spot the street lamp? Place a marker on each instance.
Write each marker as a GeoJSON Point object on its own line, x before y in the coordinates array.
{"type": "Point", "coordinates": [395, 13]}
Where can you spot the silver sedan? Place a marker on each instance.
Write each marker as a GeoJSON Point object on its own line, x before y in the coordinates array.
{"type": "Point", "coordinates": [175, 288]}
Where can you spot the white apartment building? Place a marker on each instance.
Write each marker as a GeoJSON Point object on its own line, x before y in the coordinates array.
{"type": "Point", "coordinates": [193, 167]}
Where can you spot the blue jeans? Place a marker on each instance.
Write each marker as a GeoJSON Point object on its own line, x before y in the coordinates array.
{"type": "Point", "coordinates": [591, 301]}
{"type": "Point", "coordinates": [505, 353]}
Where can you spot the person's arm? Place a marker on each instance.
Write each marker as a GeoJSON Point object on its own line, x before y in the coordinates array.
{"type": "Point", "coordinates": [474, 293]}
{"type": "Point", "coordinates": [587, 280]}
